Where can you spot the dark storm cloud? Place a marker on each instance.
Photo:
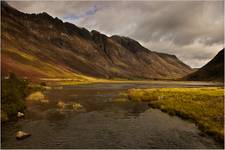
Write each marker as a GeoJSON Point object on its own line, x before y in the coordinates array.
{"type": "Point", "coordinates": [193, 31]}
{"type": "Point", "coordinates": [182, 23]}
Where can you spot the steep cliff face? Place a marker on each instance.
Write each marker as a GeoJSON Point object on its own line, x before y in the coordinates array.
{"type": "Point", "coordinates": [38, 45]}
{"type": "Point", "coordinates": [212, 71]}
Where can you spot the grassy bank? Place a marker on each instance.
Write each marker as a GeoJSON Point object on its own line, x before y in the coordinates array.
{"type": "Point", "coordinates": [203, 106]}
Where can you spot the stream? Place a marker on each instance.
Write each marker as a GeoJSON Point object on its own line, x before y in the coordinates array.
{"type": "Point", "coordinates": [104, 122]}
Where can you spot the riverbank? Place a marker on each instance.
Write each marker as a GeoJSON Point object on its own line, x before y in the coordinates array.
{"type": "Point", "coordinates": [203, 106]}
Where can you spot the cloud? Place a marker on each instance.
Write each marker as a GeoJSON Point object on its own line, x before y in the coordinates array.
{"type": "Point", "coordinates": [89, 12]}
{"type": "Point", "coordinates": [194, 31]}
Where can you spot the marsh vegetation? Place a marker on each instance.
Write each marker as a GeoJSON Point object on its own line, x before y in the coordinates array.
{"type": "Point", "coordinates": [204, 106]}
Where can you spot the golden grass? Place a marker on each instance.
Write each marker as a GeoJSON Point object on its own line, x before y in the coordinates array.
{"type": "Point", "coordinates": [82, 79]}
{"type": "Point", "coordinates": [72, 106]}
{"type": "Point", "coordinates": [120, 100]}
{"type": "Point", "coordinates": [37, 97]}
{"type": "Point", "coordinates": [204, 106]}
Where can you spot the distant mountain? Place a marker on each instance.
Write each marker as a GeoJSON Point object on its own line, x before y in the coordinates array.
{"type": "Point", "coordinates": [213, 70]}
{"type": "Point", "coordinates": [38, 45]}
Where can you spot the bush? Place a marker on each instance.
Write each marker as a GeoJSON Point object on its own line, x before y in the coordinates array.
{"type": "Point", "coordinates": [13, 93]}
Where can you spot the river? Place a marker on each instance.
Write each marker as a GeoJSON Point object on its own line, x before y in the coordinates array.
{"type": "Point", "coordinates": [105, 123]}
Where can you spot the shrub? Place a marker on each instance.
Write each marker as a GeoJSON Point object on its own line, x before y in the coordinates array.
{"type": "Point", "coordinates": [13, 93]}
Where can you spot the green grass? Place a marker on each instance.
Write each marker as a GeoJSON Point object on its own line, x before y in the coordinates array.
{"type": "Point", "coordinates": [203, 106]}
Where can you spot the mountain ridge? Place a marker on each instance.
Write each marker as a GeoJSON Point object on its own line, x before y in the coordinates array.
{"type": "Point", "coordinates": [48, 47]}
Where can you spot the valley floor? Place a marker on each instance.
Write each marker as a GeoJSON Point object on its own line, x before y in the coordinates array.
{"type": "Point", "coordinates": [100, 115]}
{"type": "Point", "coordinates": [92, 80]}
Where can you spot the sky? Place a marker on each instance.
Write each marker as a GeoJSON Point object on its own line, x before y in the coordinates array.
{"type": "Point", "coordinates": [191, 30]}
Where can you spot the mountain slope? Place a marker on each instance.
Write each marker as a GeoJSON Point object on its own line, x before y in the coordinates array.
{"type": "Point", "coordinates": [38, 45]}
{"type": "Point", "coordinates": [213, 70]}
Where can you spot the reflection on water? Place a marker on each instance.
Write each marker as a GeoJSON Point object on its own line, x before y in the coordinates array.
{"type": "Point", "coordinates": [103, 122]}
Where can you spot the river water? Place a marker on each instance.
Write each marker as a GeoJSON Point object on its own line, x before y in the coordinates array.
{"type": "Point", "coordinates": [104, 122]}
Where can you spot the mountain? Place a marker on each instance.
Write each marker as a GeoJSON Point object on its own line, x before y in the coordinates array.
{"type": "Point", "coordinates": [213, 70]}
{"type": "Point", "coordinates": [38, 46]}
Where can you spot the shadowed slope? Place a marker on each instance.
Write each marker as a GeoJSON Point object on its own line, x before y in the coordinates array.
{"type": "Point", "coordinates": [213, 70]}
